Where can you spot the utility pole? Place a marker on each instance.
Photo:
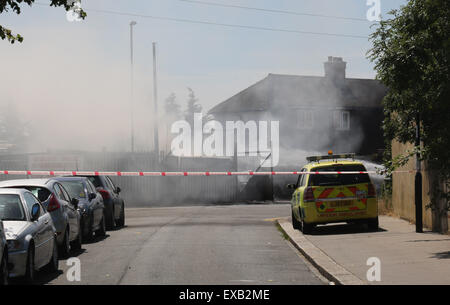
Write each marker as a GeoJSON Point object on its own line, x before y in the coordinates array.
{"type": "Point", "coordinates": [155, 101]}
{"type": "Point", "coordinates": [418, 180]}
{"type": "Point", "coordinates": [132, 23]}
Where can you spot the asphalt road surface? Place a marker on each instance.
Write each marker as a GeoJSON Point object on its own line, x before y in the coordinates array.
{"type": "Point", "coordinates": [235, 244]}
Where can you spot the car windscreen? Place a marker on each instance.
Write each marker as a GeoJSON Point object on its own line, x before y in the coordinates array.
{"type": "Point", "coordinates": [74, 188]}
{"type": "Point", "coordinates": [11, 208]}
{"type": "Point", "coordinates": [338, 179]}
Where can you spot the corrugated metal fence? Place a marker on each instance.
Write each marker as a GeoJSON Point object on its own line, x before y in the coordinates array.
{"type": "Point", "coordinates": [141, 191]}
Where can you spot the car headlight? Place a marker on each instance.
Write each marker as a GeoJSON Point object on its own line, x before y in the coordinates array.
{"type": "Point", "coordinates": [14, 245]}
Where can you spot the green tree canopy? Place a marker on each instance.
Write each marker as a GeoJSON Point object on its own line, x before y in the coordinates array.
{"type": "Point", "coordinates": [14, 5]}
{"type": "Point", "coordinates": [192, 106]}
{"type": "Point", "coordinates": [411, 52]}
{"type": "Point", "coordinates": [171, 107]}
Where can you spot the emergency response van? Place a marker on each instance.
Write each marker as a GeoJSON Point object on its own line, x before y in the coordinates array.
{"type": "Point", "coordinates": [333, 189]}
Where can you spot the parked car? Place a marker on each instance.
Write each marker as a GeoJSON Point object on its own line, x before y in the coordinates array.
{"type": "Point", "coordinates": [63, 210]}
{"type": "Point", "coordinates": [4, 274]}
{"type": "Point", "coordinates": [30, 234]}
{"type": "Point", "coordinates": [90, 204]}
{"type": "Point", "coordinates": [114, 204]}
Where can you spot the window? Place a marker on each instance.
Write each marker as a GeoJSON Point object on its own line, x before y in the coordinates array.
{"type": "Point", "coordinates": [11, 208]}
{"type": "Point", "coordinates": [59, 192]}
{"type": "Point", "coordinates": [339, 179]}
{"type": "Point", "coordinates": [341, 120]}
{"type": "Point", "coordinates": [305, 119]}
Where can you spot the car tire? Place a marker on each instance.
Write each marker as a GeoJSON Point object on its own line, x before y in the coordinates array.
{"type": "Point", "coordinates": [90, 232]}
{"type": "Point", "coordinates": [76, 244]}
{"type": "Point", "coordinates": [53, 265]}
{"type": "Point", "coordinates": [111, 223]}
{"type": "Point", "coordinates": [30, 270]}
{"type": "Point", "coordinates": [295, 223]}
{"type": "Point", "coordinates": [121, 221]}
{"type": "Point", "coordinates": [4, 273]}
{"type": "Point", "coordinates": [373, 224]}
{"type": "Point", "coordinates": [102, 231]}
{"type": "Point", "coordinates": [64, 249]}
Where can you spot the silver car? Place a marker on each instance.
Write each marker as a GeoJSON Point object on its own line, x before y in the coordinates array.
{"type": "Point", "coordinates": [63, 209]}
{"type": "Point", "coordinates": [4, 274]}
{"type": "Point", "coordinates": [29, 232]}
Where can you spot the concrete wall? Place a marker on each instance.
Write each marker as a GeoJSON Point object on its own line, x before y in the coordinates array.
{"type": "Point", "coordinates": [403, 191]}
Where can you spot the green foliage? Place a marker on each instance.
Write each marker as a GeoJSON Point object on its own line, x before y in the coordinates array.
{"type": "Point", "coordinates": [14, 5]}
{"type": "Point", "coordinates": [411, 52]}
{"type": "Point", "coordinates": [171, 107]}
{"type": "Point", "coordinates": [192, 106]}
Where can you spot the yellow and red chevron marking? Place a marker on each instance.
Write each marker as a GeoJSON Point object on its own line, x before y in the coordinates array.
{"type": "Point", "coordinates": [355, 193]}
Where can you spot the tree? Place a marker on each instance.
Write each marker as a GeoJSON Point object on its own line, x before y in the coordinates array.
{"type": "Point", "coordinates": [192, 106]}
{"type": "Point", "coordinates": [14, 5]}
{"type": "Point", "coordinates": [171, 107]}
{"type": "Point", "coordinates": [411, 52]}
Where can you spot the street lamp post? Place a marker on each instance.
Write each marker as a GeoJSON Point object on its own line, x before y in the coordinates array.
{"type": "Point", "coordinates": [132, 23]}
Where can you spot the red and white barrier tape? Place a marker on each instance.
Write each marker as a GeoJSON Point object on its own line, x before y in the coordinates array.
{"type": "Point", "coordinates": [164, 174]}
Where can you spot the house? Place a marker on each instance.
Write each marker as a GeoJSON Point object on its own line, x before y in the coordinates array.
{"type": "Point", "coordinates": [316, 113]}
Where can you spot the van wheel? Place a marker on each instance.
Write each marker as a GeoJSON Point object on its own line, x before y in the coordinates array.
{"type": "Point", "coordinates": [295, 223]}
{"type": "Point", "coordinates": [4, 273]}
{"type": "Point", "coordinates": [30, 269]}
{"type": "Point", "coordinates": [373, 224]}
{"type": "Point", "coordinates": [307, 227]}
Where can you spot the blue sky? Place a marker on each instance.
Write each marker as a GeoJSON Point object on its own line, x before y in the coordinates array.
{"type": "Point", "coordinates": [89, 60]}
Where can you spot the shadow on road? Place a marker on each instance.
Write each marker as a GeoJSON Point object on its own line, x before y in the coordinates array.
{"type": "Point", "coordinates": [342, 229]}
{"type": "Point", "coordinates": [442, 255]}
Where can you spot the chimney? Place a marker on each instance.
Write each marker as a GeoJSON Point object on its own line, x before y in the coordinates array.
{"type": "Point", "coordinates": [335, 69]}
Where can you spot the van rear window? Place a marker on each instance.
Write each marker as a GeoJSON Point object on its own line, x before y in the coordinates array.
{"type": "Point", "coordinates": [336, 179]}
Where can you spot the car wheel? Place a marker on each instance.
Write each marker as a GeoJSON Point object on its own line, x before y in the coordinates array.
{"type": "Point", "coordinates": [4, 273]}
{"type": "Point", "coordinates": [295, 223]}
{"type": "Point", "coordinates": [111, 223]}
{"type": "Point", "coordinates": [53, 265]}
{"type": "Point", "coordinates": [76, 244]}
{"type": "Point", "coordinates": [102, 230]}
{"type": "Point", "coordinates": [30, 268]}
{"type": "Point", "coordinates": [121, 221]}
{"type": "Point", "coordinates": [372, 224]}
{"type": "Point", "coordinates": [64, 249]}
{"type": "Point", "coordinates": [90, 232]}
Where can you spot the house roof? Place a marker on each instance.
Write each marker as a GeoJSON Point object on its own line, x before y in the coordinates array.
{"type": "Point", "coordinates": [278, 90]}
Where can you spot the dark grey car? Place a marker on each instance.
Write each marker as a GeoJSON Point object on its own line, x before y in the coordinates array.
{"type": "Point", "coordinates": [90, 204]}
{"type": "Point", "coordinates": [114, 204]}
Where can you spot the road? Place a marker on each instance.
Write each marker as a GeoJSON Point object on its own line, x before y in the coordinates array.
{"type": "Point", "coordinates": [230, 244]}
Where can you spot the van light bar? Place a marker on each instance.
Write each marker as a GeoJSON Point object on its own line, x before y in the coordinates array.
{"type": "Point", "coordinates": [328, 157]}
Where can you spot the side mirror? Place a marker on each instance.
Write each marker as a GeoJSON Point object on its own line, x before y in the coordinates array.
{"type": "Point", "coordinates": [35, 212]}
{"type": "Point", "coordinates": [74, 202]}
{"type": "Point", "coordinates": [92, 196]}
{"type": "Point", "coordinates": [118, 190]}
{"type": "Point", "coordinates": [291, 186]}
